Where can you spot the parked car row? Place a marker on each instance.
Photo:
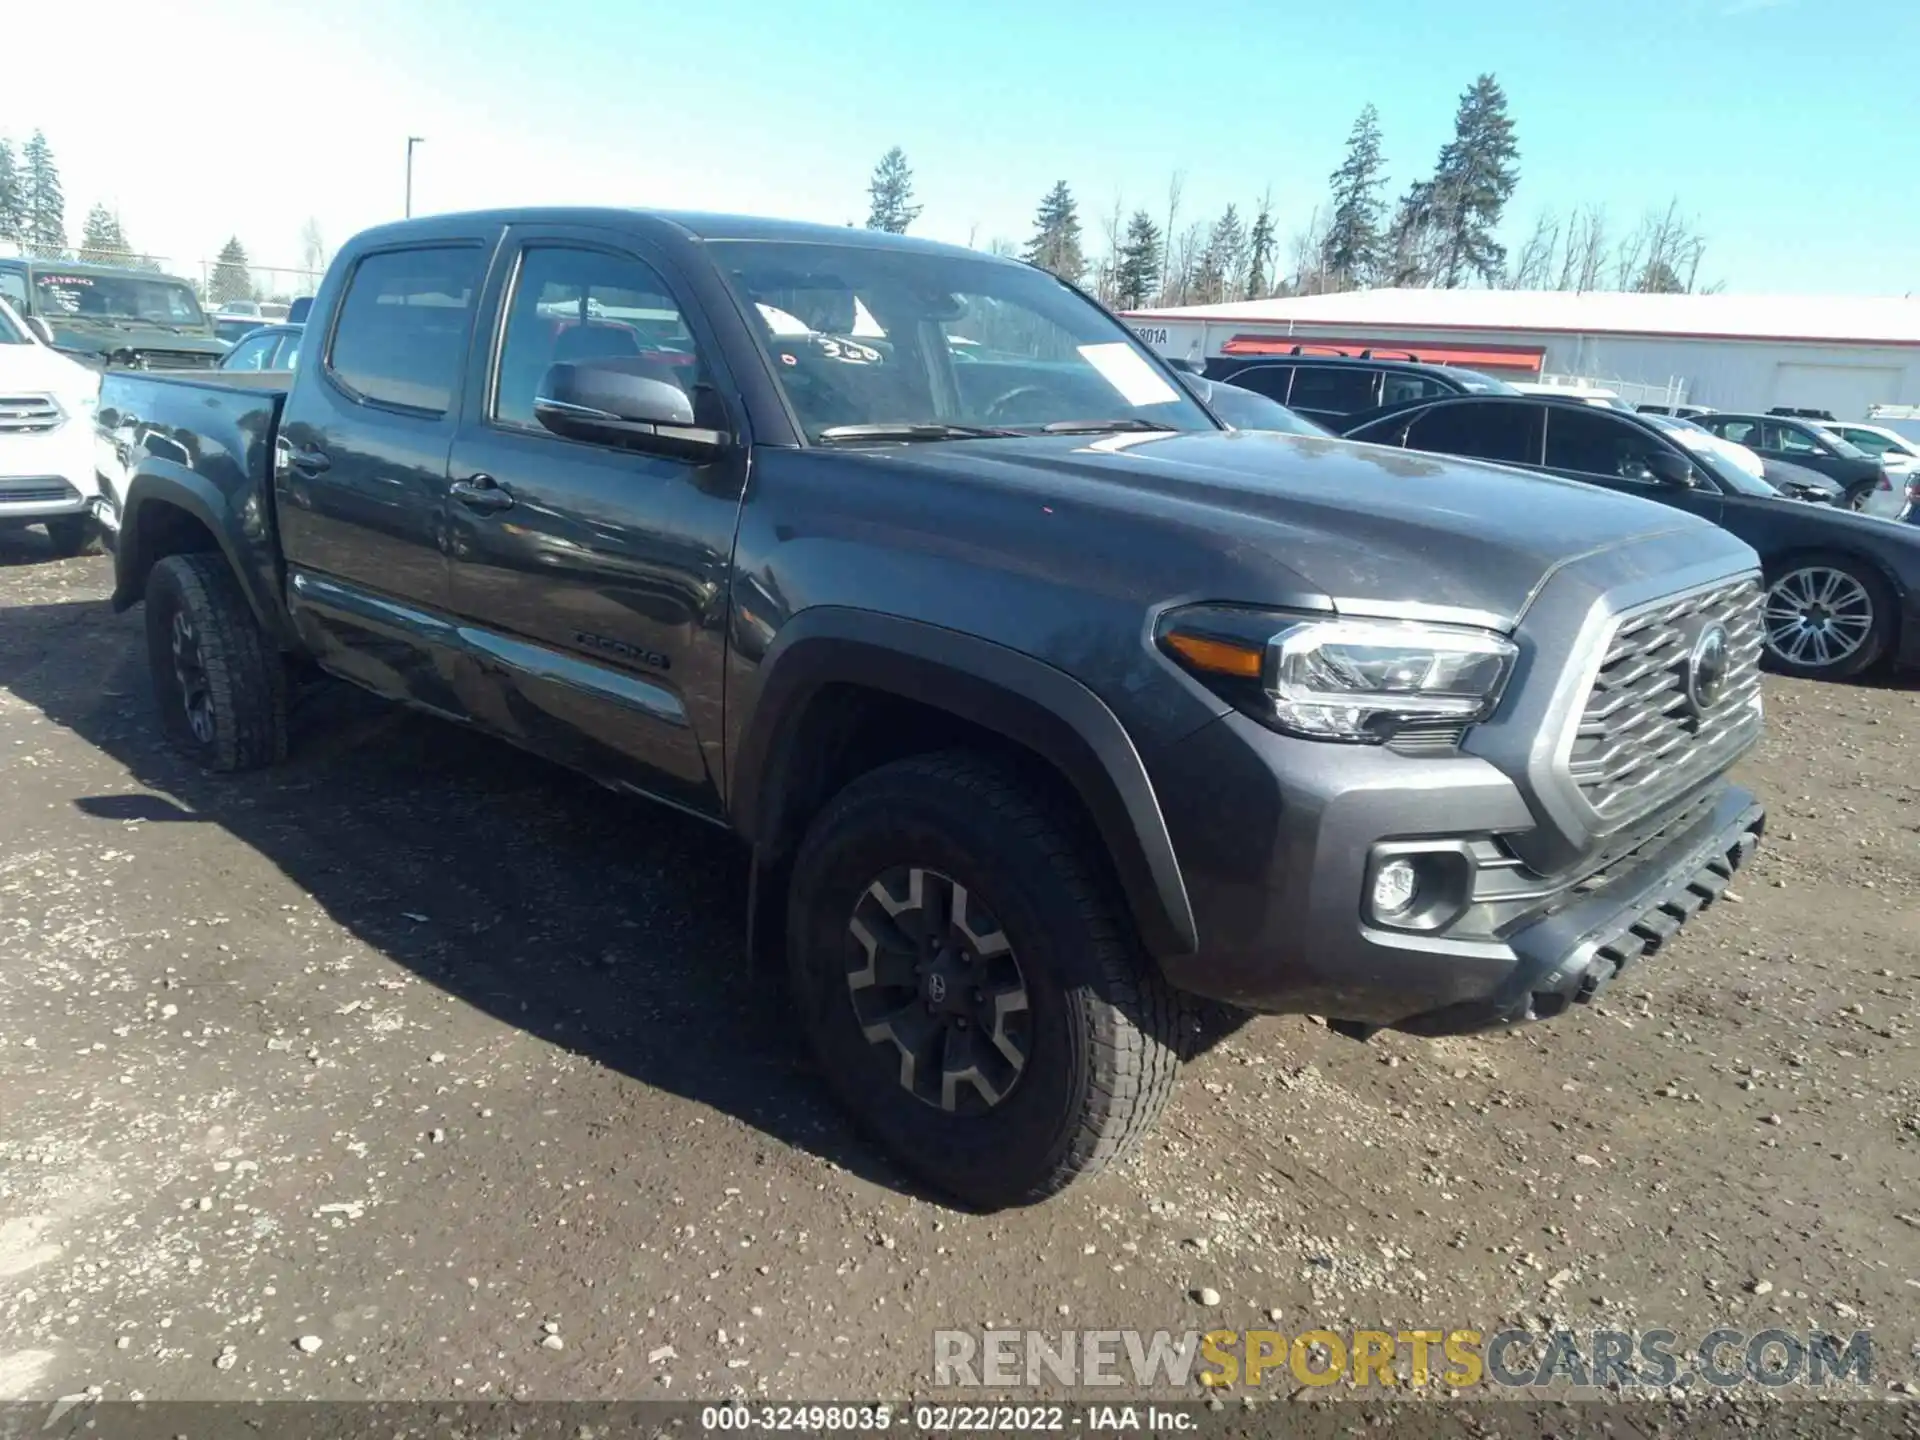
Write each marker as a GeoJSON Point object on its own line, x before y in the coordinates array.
{"type": "Point", "coordinates": [1843, 589]}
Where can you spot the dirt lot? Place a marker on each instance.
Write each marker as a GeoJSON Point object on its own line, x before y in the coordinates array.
{"type": "Point", "coordinates": [418, 1047]}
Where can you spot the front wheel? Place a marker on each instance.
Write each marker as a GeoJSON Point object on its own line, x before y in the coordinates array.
{"type": "Point", "coordinates": [220, 685]}
{"type": "Point", "coordinates": [1827, 617]}
{"type": "Point", "coordinates": [970, 988]}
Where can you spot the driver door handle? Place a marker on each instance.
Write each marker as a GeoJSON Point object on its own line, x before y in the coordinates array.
{"type": "Point", "coordinates": [482, 493]}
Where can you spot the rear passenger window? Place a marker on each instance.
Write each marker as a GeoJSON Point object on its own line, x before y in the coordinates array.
{"type": "Point", "coordinates": [1397, 388]}
{"type": "Point", "coordinates": [1335, 390]}
{"type": "Point", "coordinates": [1480, 430]}
{"type": "Point", "coordinates": [572, 305]}
{"type": "Point", "coordinates": [403, 326]}
{"type": "Point", "coordinates": [1268, 380]}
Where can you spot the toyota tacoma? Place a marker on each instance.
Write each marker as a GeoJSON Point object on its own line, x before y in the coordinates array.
{"type": "Point", "coordinates": [1051, 710]}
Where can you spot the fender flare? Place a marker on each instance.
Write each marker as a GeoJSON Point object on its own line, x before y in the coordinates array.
{"type": "Point", "coordinates": [1024, 700]}
{"type": "Point", "coordinates": [194, 495]}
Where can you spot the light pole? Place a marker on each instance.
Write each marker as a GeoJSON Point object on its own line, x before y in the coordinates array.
{"type": "Point", "coordinates": [412, 140]}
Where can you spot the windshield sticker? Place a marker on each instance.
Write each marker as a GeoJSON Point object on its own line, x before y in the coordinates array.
{"type": "Point", "coordinates": [848, 352]}
{"type": "Point", "coordinates": [1123, 367]}
{"type": "Point", "coordinates": [66, 280]}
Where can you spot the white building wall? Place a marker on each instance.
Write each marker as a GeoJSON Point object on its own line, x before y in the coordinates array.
{"type": "Point", "coordinates": [1728, 374]}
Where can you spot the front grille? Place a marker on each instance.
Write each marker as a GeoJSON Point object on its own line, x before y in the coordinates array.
{"type": "Point", "coordinates": [35, 490]}
{"type": "Point", "coordinates": [176, 360]}
{"type": "Point", "coordinates": [1640, 741]}
{"type": "Point", "coordinates": [29, 414]}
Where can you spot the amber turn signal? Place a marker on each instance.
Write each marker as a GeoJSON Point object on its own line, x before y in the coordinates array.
{"type": "Point", "coordinates": [1220, 657]}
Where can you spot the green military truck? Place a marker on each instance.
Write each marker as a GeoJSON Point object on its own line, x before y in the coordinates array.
{"type": "Point", "coordinates": [112, 317]}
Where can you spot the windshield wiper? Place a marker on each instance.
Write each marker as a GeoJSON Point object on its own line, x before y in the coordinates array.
{"type": "Point", "coordinates": [1101, 427]}
{"type": "Point", "coordinates": [901, 431]}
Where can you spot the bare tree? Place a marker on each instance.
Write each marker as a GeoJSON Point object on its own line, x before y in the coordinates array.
{"type": "Point", "coordinates": [1113, 229]}
{"type": "Point", "coordinates": [1663, 256]}
{"type": "Point", "coordinates": [1183, 263]}
{"type": "Point", "coordinates": [1309, 250]}
{"type": "Point", "coordinates": [1533, 266]}
{"type": "Point", "coordinates": [1583, 262]}
{"type": "Point", "coordinates": [1175, 184]}
{"type": "Point", "coordinates": [313, 248]}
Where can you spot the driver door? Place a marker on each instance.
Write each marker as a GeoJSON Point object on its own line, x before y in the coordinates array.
{"type": "Point", "coordinates": [591, 581]}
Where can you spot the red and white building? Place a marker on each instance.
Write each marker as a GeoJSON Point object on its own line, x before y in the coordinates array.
{"type": "Point", "coordinates": [1733, 352]}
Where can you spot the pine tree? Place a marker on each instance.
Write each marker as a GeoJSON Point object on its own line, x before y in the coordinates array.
{"type": "Point", "coordinates": [1471, 185]}
{"type": "Point", "coordinates": [1409, 258]}
{"type": "Point", "coordinates": [1260, 248]}
{"type": "Point", "coordinates": [1223, 262]}
{"type": "Point", "coordinates": [45, 229]}
{"type": "Point", "coordinates": [1056, 236]}
{"type": "Point", "coordinates": [891, 194]}
{"type": "Point", "coordinates": [1138, 270]}
{"type": "Point", "coordinates": [13, 199]}
{"type": "Point", "coordinates": [103, 241]}
{"type": "Point", "coordinates": [1351, 256]}
{"type": "Point", "coordinates": [232, 280]}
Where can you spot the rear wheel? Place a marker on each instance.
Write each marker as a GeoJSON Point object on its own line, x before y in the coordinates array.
{"type": "Point", "coordinates": [971, 990]}
{"type": "Point", "coordinates": [1827, 617]}
{"type": "Point", "coordinates": [220, 685]}
{"type": "Point", "coordinates": [73, 535]}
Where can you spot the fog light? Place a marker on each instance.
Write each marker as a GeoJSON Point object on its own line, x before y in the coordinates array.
{"type": "Point", "coordinates": [1395, 884]}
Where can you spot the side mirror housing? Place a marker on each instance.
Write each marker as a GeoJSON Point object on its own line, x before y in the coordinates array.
{"type": "Point", "coordinates": [625, 401]}
{"type": "Point", "coordinates": [41, 331]}
{"type": "Point", "coordinates": [1671, 469]}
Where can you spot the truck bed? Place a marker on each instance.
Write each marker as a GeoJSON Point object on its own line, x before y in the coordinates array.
{"type": "Point", "coordinates": [214, 435]}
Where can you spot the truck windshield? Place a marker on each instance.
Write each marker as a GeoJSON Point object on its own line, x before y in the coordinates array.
{"type": "Point", "coordinates": [883, 344]}
{"type": "Point", "coordinates": [60, 294]}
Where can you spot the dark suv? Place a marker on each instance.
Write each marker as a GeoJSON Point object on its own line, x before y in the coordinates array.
{"type": "Point", "coordinates": [1795, 441]}
{"type": "Point", "coordinates": [1334, 389]}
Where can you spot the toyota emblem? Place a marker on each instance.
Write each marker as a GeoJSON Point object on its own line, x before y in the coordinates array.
{"type": "Point", "coordinates": [1707, 666]}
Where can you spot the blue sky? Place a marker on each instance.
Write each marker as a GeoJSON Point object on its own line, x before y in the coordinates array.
{"type": "Point", "coordinates": [1788, 128]}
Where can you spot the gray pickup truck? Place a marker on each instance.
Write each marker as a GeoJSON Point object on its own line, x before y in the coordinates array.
{"type": "Point", "coordinates": [1051, 710]}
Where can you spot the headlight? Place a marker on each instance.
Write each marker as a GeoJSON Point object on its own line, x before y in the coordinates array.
{"type": "Point", "coordinates": [1330, 679]}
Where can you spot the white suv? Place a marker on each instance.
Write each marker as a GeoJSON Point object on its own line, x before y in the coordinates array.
{"type": "Point", "coordinates": [47, 404]}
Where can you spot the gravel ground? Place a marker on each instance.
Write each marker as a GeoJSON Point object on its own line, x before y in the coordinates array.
{"type": "Point", "coordinates": [420, 1069]}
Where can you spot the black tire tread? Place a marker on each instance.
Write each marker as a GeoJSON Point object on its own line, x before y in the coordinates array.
{"type": "Point", "coordinates": [1137, 1017]}
{"type": "Point", "coordinates": [246, 676]}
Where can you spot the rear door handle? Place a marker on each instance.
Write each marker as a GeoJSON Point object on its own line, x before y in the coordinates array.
{"type": "Point", "coordinates": [307, 462]}
{"type": "Point", "coordinates": [482, 493]}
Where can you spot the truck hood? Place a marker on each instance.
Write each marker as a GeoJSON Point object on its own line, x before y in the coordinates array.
{"type": "Point", "coordinates": [1372, 529]}
{"type": "Point", "coordinates": [109, 339]}
{"type": "Point", "coordinates": [34, 369]}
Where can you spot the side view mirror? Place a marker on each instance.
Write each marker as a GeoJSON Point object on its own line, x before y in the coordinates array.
{"type": "Point", "coordinates": [41, 331]}
{"type": "Point", "coordinates": [623, 400]}
{"type": "Point", "coordinates": [1670, 469]}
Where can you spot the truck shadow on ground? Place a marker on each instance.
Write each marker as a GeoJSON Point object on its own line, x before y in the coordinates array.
{"type": "Point", "coordinates": [604, 925]}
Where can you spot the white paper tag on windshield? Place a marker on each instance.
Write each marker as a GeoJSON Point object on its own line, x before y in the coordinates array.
{"type": "Point", "coordinates": [1123, 368]}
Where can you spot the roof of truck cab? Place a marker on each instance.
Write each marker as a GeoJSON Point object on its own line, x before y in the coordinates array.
{"type": "Point", "coordinates": [696, 224]}
{"type": "Point", "coordinates": [82, 267]}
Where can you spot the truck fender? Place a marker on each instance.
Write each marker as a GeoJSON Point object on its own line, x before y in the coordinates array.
{"type": "Point", "coordinates": [184, 490]}
{"type": "Point", "coordinates": [1024, 700]}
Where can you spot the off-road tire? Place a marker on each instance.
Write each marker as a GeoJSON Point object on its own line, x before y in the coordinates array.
{"type": "Point", "coordinates": [245, 676]}
{"type": "Point", "coordinates": [73, 535]}
{"type": "Point", "coordinates": [1104, 1027]}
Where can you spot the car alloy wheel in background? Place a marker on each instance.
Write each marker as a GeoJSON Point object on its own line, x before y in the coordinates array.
{"type": "Point", "coordinates": [1819, 618]}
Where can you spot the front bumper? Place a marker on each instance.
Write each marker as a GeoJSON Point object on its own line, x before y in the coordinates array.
{"type": "Point", "coordinates": [47, 473]}
{"type": "Point", "coordinates": [1277, 837]}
